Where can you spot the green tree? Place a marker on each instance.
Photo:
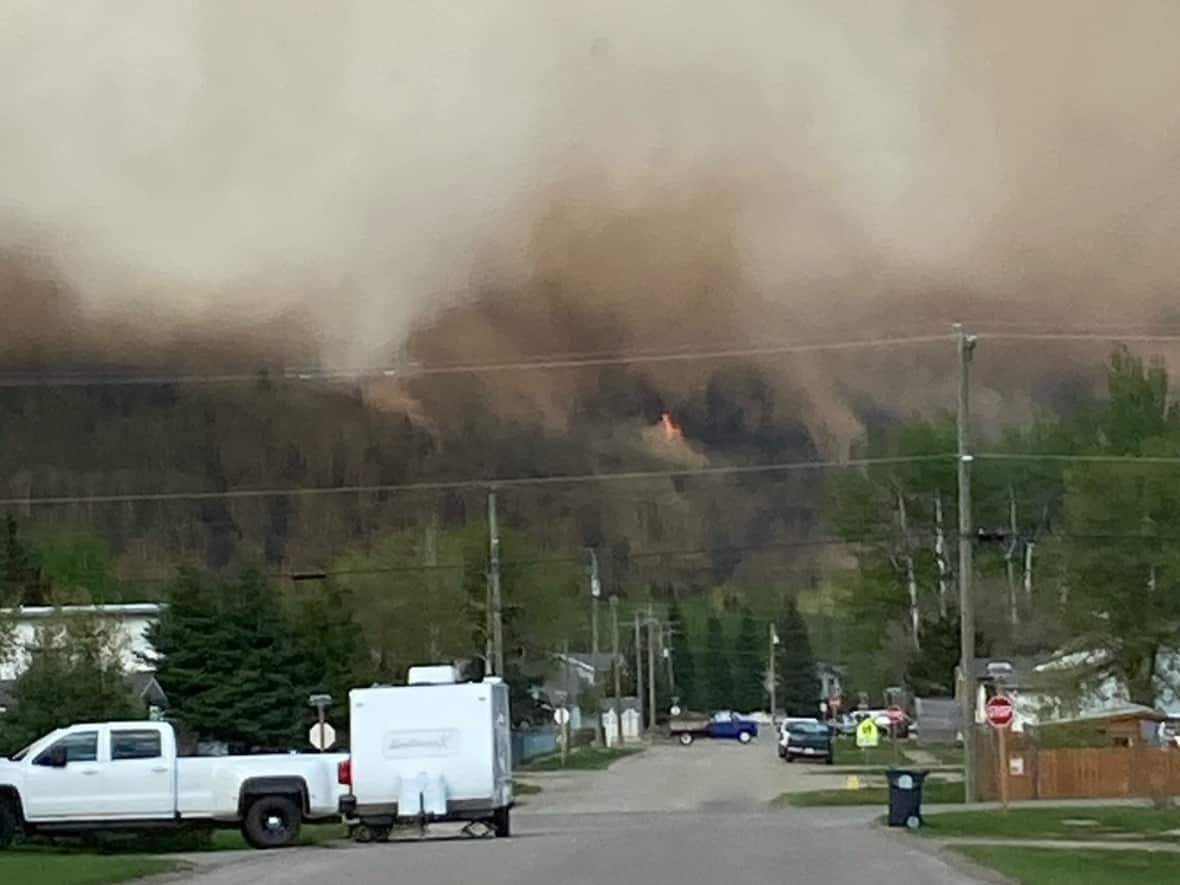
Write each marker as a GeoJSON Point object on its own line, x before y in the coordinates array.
{"type": "Point", "coordinates": [1121, 590]}
{"type": "Point", "coordinates": [687, 687]}
{"type": "Point", "coordinates": [932, 670]}
{"type": "Point", "coordinates": [718, 666]}
{"type": "Point", "coordinates": [230, 662]}
{"type": "Point", "coordinates": [74, 674]}
{"type": "Point", "coordinates": [749, 664]}
{"type": "Point", "coordinates": [333, 652]}
{"type": "Point", "coordinates": [22, 578]}
{"type": "Point", "coordinates": [798, 683]}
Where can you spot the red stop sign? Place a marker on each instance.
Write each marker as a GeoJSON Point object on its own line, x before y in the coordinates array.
{"type": "Point", "coordinates": [1000, 712]}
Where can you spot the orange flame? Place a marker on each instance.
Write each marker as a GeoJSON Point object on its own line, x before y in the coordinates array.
{"type": "Point", "coordinates": [672, 430]}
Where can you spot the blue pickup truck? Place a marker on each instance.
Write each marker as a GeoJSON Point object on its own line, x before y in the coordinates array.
{"type": "Point", "coordinates": [722, 725]}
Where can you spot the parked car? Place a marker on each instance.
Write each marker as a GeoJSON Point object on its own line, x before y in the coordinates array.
{"type": "Point", "coordinates": [844, 724]}
{"type": "Point", "coordinates": [806, 739]}
{"type": "Point", "coordinates": [127, 776]}
{"type": "Point", "coordinates": [722, 725]}
{"type": "Point", "coordinates": [881, 718]}
{"type": "Point", "coordinates": [436, 749]}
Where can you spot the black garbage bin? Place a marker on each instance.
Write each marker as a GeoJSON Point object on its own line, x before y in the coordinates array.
{"type": "Point", "coordinates": [905, 797]}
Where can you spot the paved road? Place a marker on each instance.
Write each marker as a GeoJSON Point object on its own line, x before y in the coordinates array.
{"type": "Point", "coordinates": [670, 815]}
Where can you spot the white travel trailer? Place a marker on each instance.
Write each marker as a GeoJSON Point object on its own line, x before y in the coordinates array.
{"type": "Point", "coordinates": [436, 749]}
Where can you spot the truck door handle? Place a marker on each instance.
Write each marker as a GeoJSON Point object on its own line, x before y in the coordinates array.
{"type": "Point", "coordinates": [89, 772]}
{"type": "Point", "coordinates": [159, 771]}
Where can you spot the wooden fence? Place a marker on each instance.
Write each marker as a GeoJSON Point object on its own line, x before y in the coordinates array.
{"type": "Point", "coordinates": [1077, 773]}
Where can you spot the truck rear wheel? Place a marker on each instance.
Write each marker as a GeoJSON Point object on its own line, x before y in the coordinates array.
{"type": "Point", "coordinates": [685, 739]}
{"type": "Point", "coordinates": [502, 822]}
{"type": "Point", "coordinates": [272, 822]}
{"type": "Point", "coordinates": [8, 824]}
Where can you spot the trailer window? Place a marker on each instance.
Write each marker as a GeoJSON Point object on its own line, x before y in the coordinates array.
{"type": "Point", "coordinates": [140, 744]}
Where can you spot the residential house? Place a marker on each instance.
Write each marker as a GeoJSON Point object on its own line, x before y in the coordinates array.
{"type": "Point", "coordinates": [129, 623]}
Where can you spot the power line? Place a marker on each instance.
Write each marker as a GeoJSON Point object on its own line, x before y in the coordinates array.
{"type": "Point", "coordinates": [451, 485]}
{"type": "Point", "coordinates": [412, 370]}
{"type": "Point", "coordinates": [1135, 338]}
{"type": "Point", "coordinates": [1080, 459]}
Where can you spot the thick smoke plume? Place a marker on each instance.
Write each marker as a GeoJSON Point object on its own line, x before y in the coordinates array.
{"type": "Point", "coordinates": [192, 182]}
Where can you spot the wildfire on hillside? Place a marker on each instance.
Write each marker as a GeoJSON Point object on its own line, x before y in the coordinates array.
{"type": "Point", "coordinates": [672, 431]}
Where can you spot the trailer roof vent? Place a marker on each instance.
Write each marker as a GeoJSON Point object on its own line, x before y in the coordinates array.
{"type": "Point", "coordinates": [440, 674]}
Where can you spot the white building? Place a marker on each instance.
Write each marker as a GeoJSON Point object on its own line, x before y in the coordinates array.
{"type": "Point", "coordinates": [129, 625]}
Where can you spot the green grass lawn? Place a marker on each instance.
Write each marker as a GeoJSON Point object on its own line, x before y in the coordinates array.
{"type": "Point", "coordinates": [946, 754]}
{"type": "Point", "coordinates": [882, 755]}
{"type": "Point", "coordinates": [48, 868]}
{"type": "Point", "coordinates": [584, 759]}
{"type": "Point", "coordinates": [188, 841]}
{"type": "Point", "coordinates": [1055, 823]}
{"type": "Point", "coordinates": [933, 793]}
{"type": "Point", "coordinates": [1050, 866]}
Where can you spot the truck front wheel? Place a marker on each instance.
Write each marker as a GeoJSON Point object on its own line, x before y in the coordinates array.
{"type": "Point", "coordinates": [502, 823]}
{"type": "Point", "coordinates": [8, 824]}
{"type": "Point", "coordinates": [272, 822]}
{"type": "Point", "coordinates": [745, 737]}
{"type": "Point", "coordinates": [685, 739]}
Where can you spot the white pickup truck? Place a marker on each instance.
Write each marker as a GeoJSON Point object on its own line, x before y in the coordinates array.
{"type": "Point", "coordinates": [127, 776]}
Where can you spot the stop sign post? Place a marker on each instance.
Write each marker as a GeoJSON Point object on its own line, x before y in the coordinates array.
{"type": "Point", "coordinates": [1000, 713]}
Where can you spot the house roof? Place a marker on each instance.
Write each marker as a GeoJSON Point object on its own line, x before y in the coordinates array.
{"type": "Point", "coordinates": [142, 685]}
{"type": "Point", "coordinates": [134, 609]}
{"type": "Point", "coordinates": [1117, 713]}
{"type": "Point", "coordinates": [586, 661]}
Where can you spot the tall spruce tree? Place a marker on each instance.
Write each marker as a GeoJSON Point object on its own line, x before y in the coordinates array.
{"type": "Point", "coordinates": [230, 662]}
{"type": "Point", "coordinates": [718, 667]}
{"type": "Point", "coordinates": [687, 685]}
{"type": "Point", "coordinates": [749, 665]}
{"type": "Point", "coordinates": [798, 683]}
{"type": "Point", "coordinates": [334, 655]}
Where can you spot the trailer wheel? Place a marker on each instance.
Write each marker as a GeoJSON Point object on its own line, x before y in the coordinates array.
{"type": "Point", "coordinates": [272, 822]}
{"type": "Point", "coordinates": [685, 739]}
{"type": "Point", "coordinates": [744, 737]}
{"type": "Point", "coordinates": [8, 824]}
{"type": "Point", "coordinates": [502, 822]}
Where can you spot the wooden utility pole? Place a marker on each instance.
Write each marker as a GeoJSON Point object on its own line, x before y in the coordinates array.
{"type": "Point", "coordinates": [771, 679]}
{"type": "Point", "coordinates": [497, 615]}
{"type": "Point", "coordinates": [595, 591]}
{"type": "Point", "coordinates": [1010, 558]}
{"type": "Point", "coordinates": [651, 669]}
{"type": "Point", "coordinates": [666, 642]}
{"type": "Point", "coordinates": [616, 669]}
{"type": "Point", "coordinates": [966, 344]}
{"type": "Point", "coordinates": [565, 719]}
{"type": "Point", "coordinates": [639, 668]}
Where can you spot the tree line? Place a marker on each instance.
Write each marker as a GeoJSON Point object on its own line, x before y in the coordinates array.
{"type": "Point", "coordinates": [1077, 523]}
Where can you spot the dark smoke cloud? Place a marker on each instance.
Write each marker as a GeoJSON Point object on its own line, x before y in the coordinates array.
{"type": "Point", "coordinates": [482, 180]}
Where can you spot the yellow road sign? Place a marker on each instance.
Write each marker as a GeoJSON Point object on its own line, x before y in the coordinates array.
{"type": "Point", "coordinates": [867, 733]}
